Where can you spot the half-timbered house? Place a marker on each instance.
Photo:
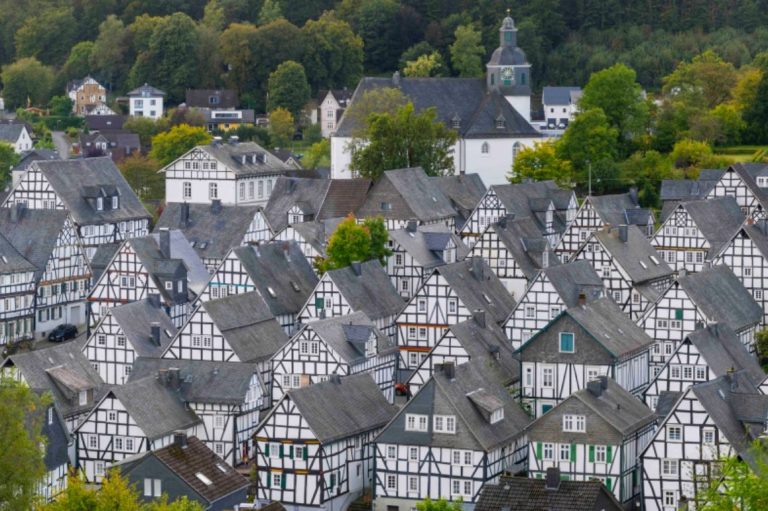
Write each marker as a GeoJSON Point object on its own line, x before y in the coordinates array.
{"type": "Point", "coordinates": [747, 183]}
{"type": "Point", "coordinates": [675, 191]}
{"type": "Point", "coordinates": [314, 450]}
{"type": "Point", "coordinates": [416, 252]}
{"type": "Point", "coordinates": [340, 345]}
{"type": "Point", "coordinates": [312, 236]}
{"type": "Point", "coordinates": [125, 333]}
{"type": "Point", "coordinates": [599, 210]}
{"type": "Point", "coordinates": [461, 431]}
{"type": "Point", "coordinates": [580, 344]}
{"type": "Point", "coordinates": [597, 433]}
{"type": "Point", "coordinates": [633, 272]}
{"type": "Point", "coordinates": [214, 229]}
{"type": "Point", "coordinates": [63, 372]}
{"type": "Point", "coordinates": [551, 207]}
{"type": "Point", "coordinates": [17, 293]}
{"type": "Point", "coordinates": [56, 453]}
{"type": "Point", "coordinates": [163, 264]}
{"type": "Point", "coordinates": [746, 254]}
{"type": "Point", "coordinates": [360, 287]}
{"type": "Point", "coordinates": [240, 173]}
{"type": "Point", "coordinates": [278, 271]}
{"type": "Point", "coordinates": [407, 194]}
{"type": "Point", "coordinates": [696, 232]}
{"type": "Point", "coordinates": [714, 295]}
{"type": "Point", "coordinates": [227, 397]}
{"type": "Point", "coordinates": [139, 416]}
{"type": "Point", "coordinates": [473, 339]}
{"type": "Point", "coordinates": [450, 295]}
{"type": "Point", "coordinates": [516, 251]}
{"type": "Point", "coordinates": [102, 205]}
{"type": "Point", "coordinates": [48, 240]}
{"type": "Point", "coordinates": [553, 290]}
{"type": "Point", "coordinates": [704, 355]}
{"type": "Point", "coordinates": [464, 191]}
{"type": "Point", "coordinates": [706, 422]}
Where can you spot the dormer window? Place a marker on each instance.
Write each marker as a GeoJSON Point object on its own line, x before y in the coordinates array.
{"type": "Point", "coordinates": [386, 206]}
{"type": "Point", "coordinates": [169, 285]}
{"type": "Point", "coordinates": [497, 415]}
{"type": "Point", "coordinates": [99, 204]}
{"type": "Point", "coordinates": [83, 397]}
{"type": "Point", "coordinates": [500, 123]}
{"type": "Point", "coordinates": [370, 347]}
{"type": "Point", "coordinates": [115, 202]}
{"type": "Point", "coordinates": [456, 122]}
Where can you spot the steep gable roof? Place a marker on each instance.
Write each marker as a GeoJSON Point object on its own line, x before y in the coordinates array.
{"type": "Point", "coordinates": [615, 405]}
{"type": "Point", "coordinates": [523, 239]}
{"type": "Point", "coordinates": [618, 209]}
{"type": "Point", "coordinates": [477, 287]}
{"type": "Point", "coordinates": [136, 320]}
{"type": "Point", "coordinates": [526, 494]}
{"type": "Point", "coordinates": [11, 261]}
{"type": "Point", "coordinates": [369, 291]}
{"type": "Point", "coordinates": [558, 95]}
{"type": "Point", "coordinates": [571, 280]}
{"type": "Point", "coordinates": [426, 243]}
{"type": "Point", "coordinates": [631, 249]}
{"type": "Point", "coordinates": [486, 343]}
{"type": "Point", "coordinates": [724, 352]}
{"type": "Point", "coordinates": [245, 158]}
{"type": "Point", "coordinates": [33, 233]}
{"type": "Point", "coordinates": [717, 220]}
{"type": "Point", "coordinates": [347, 335]}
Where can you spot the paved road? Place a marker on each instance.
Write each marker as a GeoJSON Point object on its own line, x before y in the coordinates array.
{"type": "Point", "coordinates": [61, 143]}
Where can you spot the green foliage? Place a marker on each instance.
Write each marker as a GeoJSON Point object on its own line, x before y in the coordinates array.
{"type": "Point", "coordinates": [383, 100]}
{"type": "Point", "coordinates": [8, 159]}
{"type": "Point", "coordinates": [26, 80]}
{"type": "Point", "coordinates": [467, 52]}
{"type": "Point", "coordinates": [47, 35]}
{"type": "Point", "coordinates": [333, 54]}
{"type": "Point", "coordinates": [236, 51]}
{"type": "Point", "coordinates": [761, 344]}
{"type": "Point", "coordinates": [742, 485]}
{"type": "Point", "coordinates": [590, 142]}
{"type": "Point", "coordinates": [706, 81]}
{"type": "Point", "coordinates": [756, 113]}
{"type": "Point", "coordinates": [377, 25]}
{"type": "Point", "coordinates": [270, 11]}
{"type": "Point", "coordinates": [693, 155]}
{"type": "Point", "coordinates": [405, 139]}
{"type": "Point", "coordinates": [541, 163]}
{"type": "Point", "coordinates": [61, 106]}
{"type": "Point", "coordinates": [144, 127]}
{"type": "Point", "coordinates": [439, 505]}
{"type": "Point", "coordinates": [21, 459]}
{"type": "Point", "coordinates": [414, 52]}
{"type": "Point", "coordinates": [78, 62]}
{"type": "Point", "coordinates": [424, 66]}
{"type": "Point", "coordinates": [288, 88]}
{"type": "Point", "coordinates": [109, 58]}
{"type": "Point", "coordinates": [319, 154]}
{"type": "Point", "coordinates": [646, 170]}
{"type": "Point", "coordinates": [171, 144]}
{"type": "Point", "coordinates": [141, 173]}
{"type": "Point", "coordinates": [352, 242]}
{"type": "Point", "coordinates": [281, 127]}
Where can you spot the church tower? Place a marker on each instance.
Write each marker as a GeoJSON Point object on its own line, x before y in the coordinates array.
{"type": "Point", "coordinates": [508, 70]}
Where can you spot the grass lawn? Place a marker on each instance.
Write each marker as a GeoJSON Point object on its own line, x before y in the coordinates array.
{"type": "Point", "coordinates": [739, 153]}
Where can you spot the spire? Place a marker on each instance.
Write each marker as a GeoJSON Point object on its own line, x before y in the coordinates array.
{"type": "Point", "coordinates": [508, 32]}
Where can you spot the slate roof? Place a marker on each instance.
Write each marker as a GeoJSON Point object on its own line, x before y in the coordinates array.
{"type": "Point", "coordinates": [477, 287]}
{"type": "Point", "coordinates": [27, 157]}
{"type": "Point", "coordinates": [427, 243]}
{"type": "Point", "coordinates": [340, 409]}
{"type": "Point", "coordinates": [34, 234]}
{"type": "Point", "coordinates": [65, 360]}
{"type": "Point", "coordinates": [689, 189]}
{"type": "Point", "coordinates": [211, 230]}
{"type": "Point", "coordinates": [104, 122]}
{"type": "Point", "coordinates": [199, 98]}
{"type": "Point", "coordinates": [531, 199]}
{"type": "Point", "coordinates": [101, 259]}
{"type": "Point", "coordinates": [558, 95]}
{"type": "Point", "coordinates": [722, 298]}
{"type": "Point", "coordinates": [231, 155]}
{"type": "Point", "coordinates": [155, 408]}
{"type": "Point", "coordinates": [68, 178]}
{"type": "Point", "coordinates": [464, 191]}
{"type": "Point", "coordinates": [524, 241]}
{"type": "Point", "coordinates": [617, 209]}
{"type": "Point", "coordinates": [636, 256]}
{"type": "Point", "coordinates": [615, 405]}
{"type": "Point", "coordinates": [666, 403]}
{"type": "Point", "coordinates": [572, 279]}
{"type": "Point", "coordinates": [748, 172]}
{"type": "Point", "coordinates": [282, 267]}
{"type": "Point", "coordinates": [11, 132]}
{"type": "Point", "coordinates": [344, 197]}
{"type": "Point", "coordinates": [758, 233]}
{"type": "Point", "coordinates": [420, 197]}
{"type": "Point", "coordinates": [11, 261]}
{"type": "Point", "coordinates": [526, 494]}
{"type": "Point", "coordinates": [487, 344]}
{"type": "Point", "coordinates": [465, 98]}
{"type": "Point", "coordinates": [136, 319]}
{"type": "Point", "coordinates": [213, 115]}
{"type": "Point", "coordinates": [371, 292]}
{"type": "Point", "coordinates": [717, 219]}
{"type": "Point", "coordinates": [723, 351]}
{"type": "Point", "coordinates": [347, 336]}
{"type": "Point", "coordinates": [316, 233]}
{"type": "Point", "coordinates": [202, 381]}
{"type": "Point", "coordinates": [248, 325]}
{"type": "Point", "coordinates": [146, 90]}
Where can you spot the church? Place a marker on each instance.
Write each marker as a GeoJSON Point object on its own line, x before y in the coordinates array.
{"type": "Point", "coordinates": [491, 115]}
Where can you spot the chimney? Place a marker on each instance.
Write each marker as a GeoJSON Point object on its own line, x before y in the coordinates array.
{"type": "Point", "coordinates": [595, 387]}
{"type": "Point", "coordinates": [180, 439]}
{"type": "Point", "coordinates": [334, 378]}
{"type": "Point", "coordinates": [682, 272]}
{"type": "Point", "coordinates": [682, 503]}
{"type": "Point", "coordinates": [357, 268]}
{"type": "Point", "coordinates": [184, 217]}
{"type": "Point", "coordinates": [165, 242]}
{"type": "Point", "coordinates": [153, 300]}
{"type": "Point", "coordinates": [174, 378]}
{"type": "Point", "coordinates": [582, 298]}
{"type": "Point", "coordinates": [215, 205]}
{"type": "Point", "coordinates": [552, 479]}
{"type": "Point", "coordinates": [623, 233]}
{"type": "Point", "coordinates": [503, 222]}
{"type": "Point", "coordinates": [396, 78]}
{"type": "Point", "coordinates": [633, 194]}
{"type": "Point", "coordinates": [495, 352]}
{"type": "Point", "coordinates": [750, 221]}
{"type": "Point", "coordinates": [479, 316]}
{"type": "Point", "coordinates": [155, 333]}
{"type": "Point", "coordinates": [17, 211]}
{"type": "Point", "coordinates": [411, 226]}
{"type": "Point", "coordinates": [449, 370]}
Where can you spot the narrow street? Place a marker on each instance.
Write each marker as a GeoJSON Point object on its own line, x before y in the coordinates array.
{"type": "Point", "coordinates": [61, 143]}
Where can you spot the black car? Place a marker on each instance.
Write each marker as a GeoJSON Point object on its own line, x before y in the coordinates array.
{"type": "Point", "coordinates": [63, 333]}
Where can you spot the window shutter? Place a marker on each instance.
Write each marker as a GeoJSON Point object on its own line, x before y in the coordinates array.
{"type": "Point", "coordinates": [269, 477]}
{"type": "Point", "coordinates": [678, 313]}
{"type": "Point", "coordinates": [290, 451]}
{"type": "Point", "coordinates": [319, 302]}
{"type": "Point", "coordinates": [266, 449]}
{"type": "Point", "coordinates": [306, 455]}
{"type": "Point", "coordinates": [538, 450]}
{"type": "Point", "coordinates": [608, 483]}
{"type": "Point", "coordinates": [609, 454]}
{"type": "Point", "coordinates": [283, 477]}
{"type": "Point", "coordinates": [591, 453]}
{"type": "Point", "coordinates": [573, 453]}
{"type": "Point", "coordinates": [281, 450]}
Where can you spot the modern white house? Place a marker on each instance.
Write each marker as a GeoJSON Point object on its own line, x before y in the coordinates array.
{"type": "Point", "coordinates": [17, 135]}
{"type": "Point", "coordinates": [146, 101]}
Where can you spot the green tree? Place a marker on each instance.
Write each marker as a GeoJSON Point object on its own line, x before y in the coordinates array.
{"type": "Point", "coordinates": [405, 139]}
{"type": "Point", "coordinates": [145, 128]}
{"type": "Point", "coordinates": [424, 66]}
{"type": "Point", "coordinates": [745, 91]}
{"type": "Point", "coordinates": [47, 35]}
{"type": "Point", "coordinates": [439, 505]}
{"type": "Point", "coordinates": [646, 170]}
{"type": "Point", "coordinates": [26, 79]}
{"type": "Point", "coordinates": [288, 88]}
{"type": "Point", "coordinates": [743, 483]}
{"type": "Point", "coordinates": [21, 460]}
{"type": "Point", "coordinates": [78, 63]}
{"type": "Point", "coordinates": [271, 45]}
{"type": "Point", "coordinates": [318, 155]}
{"type": "Point", "coordinates": [414, 52]}
{"type": "Point", "coordinates": [109, 55]}
{"type": "Point", "coordinates": [235, 45]}
{"type": "Point", "coordinates": [467, 52]}
{"type": "Point", "coordinates": [117, 493]}
{"type": "Point", "coordinates": [377, 25]}
{"type": "Point", "coordinates": [761, 344]}
{"type": "Point", "coordinates": [270, 11]}
{"type": "Point", "coordinates": [281, 127]}
{"type": "Point", "coordinates": [541, 163]}
{"type": "Point", "coordinates": [693, 155]}
{"type": "Point", "coordinates": [333, 54]}
{"type": "Point", "coordinates": [383, 100]}
{"type": "Point", "coordinates": [141, 173]}
{"type": "Point", "coordinates": [706, 81]}
{"type": "Point", "coordinates": [171, 144]}
{"type": "Point", "coordinates": [61, 106]}
{"type": "Point", "coordinates": [589, 140]}
{"type": "Point", "coordinates": [756, 114]}
{"type": "Point", "coordinates": [731, 123]}
{"type": "Point", "coordinates": [75, 497]}
{"type": "Point", "coordinates": [616, 92]}
{"type": "Point", "coordinates": [8, 160]}
{"type": "Point", "coordinates": [353, 242]}
{"type": "Point", "coordinates": [181, 504]}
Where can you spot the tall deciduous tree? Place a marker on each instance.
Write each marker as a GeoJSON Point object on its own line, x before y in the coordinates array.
{"type": "Point", "coordinates": [21, 460]}
{"type": "Point", "coordinates": [8, 159]}
{"type": "Point", "coordinates": [424, 66]}
{"type": "Point", "coordinates": [271, 45]}
{"type": "Point", "coordinates": [467, 52]}
{"type": "Point", "coordinates": [405, 139]}
{"type": "Point", "coordinates": [353, 242]}
{"type": "Point", "coordinates": [376, 24]}
{"type": "Point", "coordinates": [541, 163]}
{"type": "Point", "coordinates": [334, 53]}
{"type": "Point", "coordinates": [270, 11]}
{"type": "Point", "coordinates": [383, 100]}
{"type": "Point", "coordinates": [706, 81]}
{"type": "Point", "coordinates": [743, 485]}
{"type": "Point", "coordinates": [47, 35]}
{"type": "Point", "coordinates": [78, 62]}
{"type": "Point", "coordinates": [168, 146]}
{"type": "Point", "coordinates": [281, 127]}
{"type": "Point", "coordinates": [141, 173]}
{"type": "Point", "coordinates": [236, 46]}
{"type": "Point", "coordinates": [755, 115]}
{"type": "Point", "coordinates": [110, 52]}
{"type": "Point", "coordinates": [589, 142]}
{"type": "Point", "coordinates": [26, 79]}
{"type": "Point", "coordinates": [288, 88]}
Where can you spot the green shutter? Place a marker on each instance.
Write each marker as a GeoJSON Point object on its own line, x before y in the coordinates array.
{"type": "Point", "coordinates": [609, 454]}
{"type": "Point", "coordinates": [591, 453]}
{"type": "Point", "coordinates": [678, 313]}
{"type": "Point", "coordinates": [538, 450]}
{"type": "Point", "coordinates": [573, 453]}
{"type": "Point", "coordinates": [281, 450]}
{"type": "Point", "coordinates": [319, 302]}
{"type": "Point", "coordinates": [266, 450]}
{"type": "Point", "coordinates": [306, 454]}
{"type": "Point", "coordinates": [269, 478]}
{"type": "Point", "coordinates": [290, 451]}
{"type": "Point", "coordinates": [608, 483]}
{"type": "Point", "coordinates": [283, 477]}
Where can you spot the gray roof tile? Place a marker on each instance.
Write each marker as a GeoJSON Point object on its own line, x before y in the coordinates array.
{"type": "Point", "coordinates": [370, 292]}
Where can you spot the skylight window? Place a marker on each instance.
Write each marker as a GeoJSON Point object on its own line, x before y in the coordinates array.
{"type": "Point", "coordinates": [167, 333]}
{"type": "Point", "coordinates": [485, 296]}
{"type": "Point", "coordinates": [654, 260]}
{"type": "Point", "coordinates": [271, 292]}
{"type": "Point", "coordinates": [204, 479]}
{"type": "Point", "coordinates": [295, 286]}
{"type": "Point", "coordinates": [5, 259]}
{"type": "Point", "coordinates": [645, 267]}
{"type": "Point", "coordinates": [221, 467]}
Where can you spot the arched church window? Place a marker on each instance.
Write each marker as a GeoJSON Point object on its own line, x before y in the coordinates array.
{"type": "Point", "coordinates": [485, 148]}
{"type": "Point", "coordinates": [516, 150]}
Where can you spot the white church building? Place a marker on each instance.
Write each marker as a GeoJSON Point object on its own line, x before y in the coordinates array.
{"type": "Point", "coordinates": [492, 116]}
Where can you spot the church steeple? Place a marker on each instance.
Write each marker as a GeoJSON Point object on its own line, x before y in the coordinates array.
{"type": "Point", "coordinates": [508, 32]}
{"type": "Point", "coordinates": [508, 70]}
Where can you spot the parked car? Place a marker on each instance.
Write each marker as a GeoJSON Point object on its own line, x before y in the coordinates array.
{"type": "Point", "coordinates": [63, 333]}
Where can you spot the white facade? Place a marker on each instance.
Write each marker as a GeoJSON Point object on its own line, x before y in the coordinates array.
{"type": "Point", "coordinates": [146, 106]}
